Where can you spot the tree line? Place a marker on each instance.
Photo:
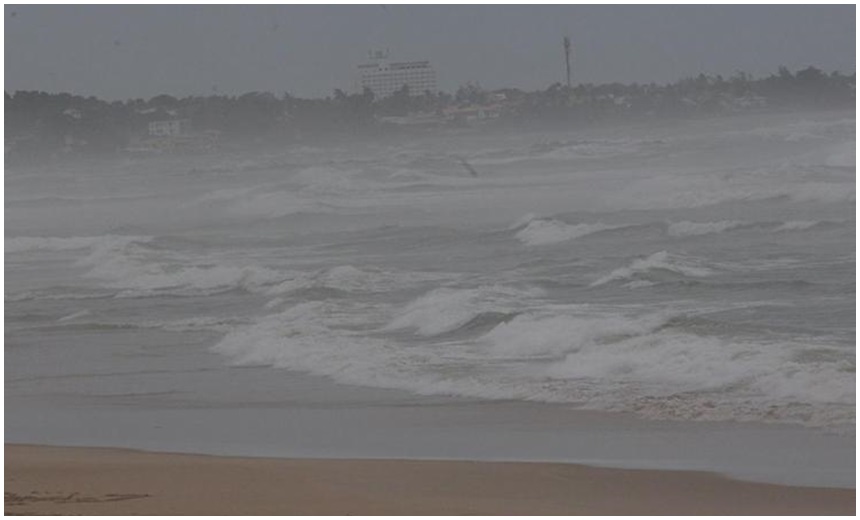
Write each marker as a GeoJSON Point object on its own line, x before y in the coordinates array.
{"type": "Point", "coordinates": [40, 122]}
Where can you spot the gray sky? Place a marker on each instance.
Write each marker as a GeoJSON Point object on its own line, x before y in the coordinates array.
{"type": "Point", "coordinates": [118, 52]}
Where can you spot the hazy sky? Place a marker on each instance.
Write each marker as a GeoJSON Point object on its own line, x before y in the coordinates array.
{"type": "Point", "coordinates": [118, 52]}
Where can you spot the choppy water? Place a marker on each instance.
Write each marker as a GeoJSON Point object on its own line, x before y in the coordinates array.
{"type": "Point", "coordinates": [699, 270]}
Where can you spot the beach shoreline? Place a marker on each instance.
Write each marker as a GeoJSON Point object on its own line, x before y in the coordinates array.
{"type": "Point", "coordinates": [102, 481]}
{"type": "Point", "coordinates": [331, 421]}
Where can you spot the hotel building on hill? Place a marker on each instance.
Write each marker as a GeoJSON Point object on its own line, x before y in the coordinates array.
{"type": "Point", "coordinates": [384, 78]}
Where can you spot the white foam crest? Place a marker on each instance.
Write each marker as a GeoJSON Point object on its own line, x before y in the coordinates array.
{"type": "Point", "coordinates": [827, 192]}
{"type": "Point", "coordinates": [660, 261]}
{"type": "Point", "coordinates": [523, 221]}
{"type": "Point", "coordinates": [198, 279]}
{"type": "Point", "coordinates": [272, 200]}
{"type": "Point", "coordinates": [529, 335]}
{"type": "Point", "coordinates": [500, 161]}
{"type": "Point", "coordinates": [446, 309]}
{"type": "Point", "coordinates": [275, 204]}
{"type": "Point", "coordinates": [74, 316]}
{"type": "Point", "coordinates": [201, 323]}
{"type": "Point", "coordinates": [45, 295]}
{"type": "Point", "coordinates": [323, 179]}
{"type": "Point", "coordinates": [24, 244]}
{"type": "Point", "coordinates": [797, 225]}
{"type": "Point", "coordinates": [352, 279]}
{"type": "Point", "coordinates": [585, 355]}
{"type": "Point", "coordinates": [801, 130]}
{"type": "Point", "coordinates": [810, 383]}
{"type": "Point", "coordinates": [409, 175]}
{"type": "Point", "coordinates": [279, 202]}
{"type": "Point", "coordinates": [674, 191]}
{"type": "Point", "coordinates": [538, 232]}
{"type": "Point", "coordinates": [592, 149]}
{"type": "Point", "coordinates": [275, 302]}
{"type": "Point", "coordinates": [139, 272]}
{"type": "Point", "coordinates": [680, 361]}
{"type": "Point", "coordinates": [666, 361]}
{"type": "Point", "coordinates": [196, 324]}
{"type": "Point", "coordinates": [314, 338]}
{"type": "Point", "coordinates": [792, 135]}
{"type": "Point", "coordinates": [638, 284]}
{"type": "Point", "coordinates": [227, 194]}
{"type": "Point", "coordinates": [641, 363]}
{"type": "Point", "coordinates": [310, 337]}
{"type": "Point", "coordinates": [843, 156]}
{"type": "Point", "coordinates": [687, 229]}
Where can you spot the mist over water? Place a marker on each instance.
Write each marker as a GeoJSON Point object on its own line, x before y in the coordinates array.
{"type": "Point", "coordinates": [699, 270]}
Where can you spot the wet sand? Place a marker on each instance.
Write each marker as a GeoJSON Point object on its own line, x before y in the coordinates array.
{"type": "Point", "coordinates": [91, 481]}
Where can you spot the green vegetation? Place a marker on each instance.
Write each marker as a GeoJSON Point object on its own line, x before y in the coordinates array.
{"type": "Point", "coordinates": [40, 124]}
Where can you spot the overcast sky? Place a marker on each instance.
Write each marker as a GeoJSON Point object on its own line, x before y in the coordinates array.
{"type": "Point", "coordinates": [118, 52]}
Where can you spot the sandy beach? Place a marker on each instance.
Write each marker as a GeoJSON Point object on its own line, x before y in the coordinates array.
{"type": "Point", "coordinates": [58, 480]}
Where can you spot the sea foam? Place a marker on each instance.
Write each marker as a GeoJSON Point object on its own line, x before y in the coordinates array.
{"type": "Point", "coordinates": [657, 262]}
{"type": "Point", "coordinates": [138, 270]}
{"type": "Point", "coordinates": [538, 232]}
{"type": "Point", "coordinates": [650, 363]}
{"type": "Point", "coordinates": [687, 229]}
{"type": "Point", "coordinates": [24, 244]}
{"type": "Point", "coordinates": [446, 309]}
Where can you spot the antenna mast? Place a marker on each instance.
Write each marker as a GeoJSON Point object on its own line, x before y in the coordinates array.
{"type": "Point", "coordinates": [567, 58]}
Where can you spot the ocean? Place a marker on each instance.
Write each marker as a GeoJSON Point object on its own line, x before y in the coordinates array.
{"type": "Point", "coordinates": [694, 273]}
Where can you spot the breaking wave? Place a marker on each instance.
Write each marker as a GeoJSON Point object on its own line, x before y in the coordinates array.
{"type": "Point", "coordinates": [647, 363]}
{"type": "Point", "coordinates": [75, 321]}
{"type": "Point", "coordinates": [128, 264]}
{"type": "Point", "coordinates": [686, 229]}
{"type": "Point", "coordinates": [640, 269]}
{"type": "Point", "coordinates": [24, 244]}
{"type": "Point", "coordinates": [673, 191]}
{"type": "Point", "coordinates": [140, 281]}
{"type": "Point", "coordinates": [534, 231]}
{"type": "Point", "coordinates": [265, 202]}
{"type": "Point", "coordinates": [348, 278]}
{"type": "Point", "coordinates": [538, 232]}
{"type": "Point", "coordinates": [447, 309]}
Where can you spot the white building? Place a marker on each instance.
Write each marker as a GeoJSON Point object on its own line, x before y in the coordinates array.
{"type": "Point", "coordinates": [384, 78]}
{"type": "Point", "coordinates": [169, 128]}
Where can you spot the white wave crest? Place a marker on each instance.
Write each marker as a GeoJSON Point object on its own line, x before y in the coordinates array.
{"type": "Point", "coordinates": [530, 335]}
{"type": "Point", "coordinates": [590, 149]}
{"type": "Point", "coordinates": [660, 359]}
{"type": "Point", "coordinates": [446, 309]}
{"type": "Point", "coordinates": [352, 279]}
{"type": "Point", "coordinates": [538, 232]}
{"type": "Point", "coordinates": [198, 279]}
{"type": "Point", "coordinates": [646, 363]}
{"type": "Point", "coordinates": [138, 271]}
{"type": "Point", "coordinates": [797, 131]}
{"type": "Point", "coordinates": [797, 225]}
{"type": "Point", "coordinates": [523, 221]}
{"type": "Point", "coordinates": [650, 364]}
{"type": "Point", "coordinates": [311, 337]}
{"type": "Point", "coordinates": [675, 191]}
{"type": "Point", "coordinates": [275, 204]}
{"type": "Point", "coordinates": [323, 179]}
{"type": "Point", "coordinates": [201, 323]}
{"type": "Point", "coordinates": [843, 156]}
{"type": "Point", "coordinates": [660, 261]}
{"type": "Point", "coordinates": [687, 229]}
{"type": "Point", "coordinates": [24, 244]}
{"type": "Point", "coordinates": [74, 316]}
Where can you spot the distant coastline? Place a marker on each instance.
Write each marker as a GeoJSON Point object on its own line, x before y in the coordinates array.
{"type": "Point", "coordinates": [42, 125]}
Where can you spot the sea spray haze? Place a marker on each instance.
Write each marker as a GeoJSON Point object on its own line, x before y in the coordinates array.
{"type": "Point", "coordinates": [696, 270]}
